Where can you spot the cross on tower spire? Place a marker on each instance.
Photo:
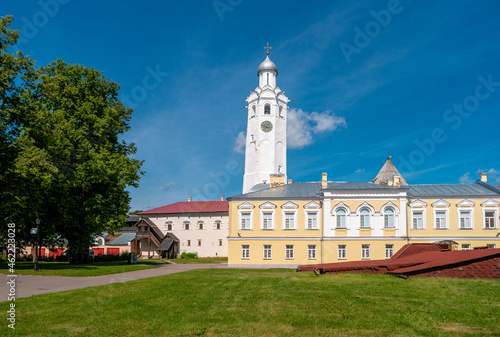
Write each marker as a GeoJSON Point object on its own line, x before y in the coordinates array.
{"type": "Point", "coordinates": [268, 47]}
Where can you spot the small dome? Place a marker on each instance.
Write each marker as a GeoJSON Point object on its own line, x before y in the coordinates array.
{"type": "Point", "coordinates": [267, 65]}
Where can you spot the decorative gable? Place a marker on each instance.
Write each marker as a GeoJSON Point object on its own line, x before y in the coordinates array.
{"type": "Point", "coordinates": [441, 203]}
{"type": "Point", "coordinates": [365, 205]}
{"type": "Point", "coordinates": [418, 204]}
{"type": "Point", "coordinates": [268, 205]}
{"type": "Point", "coordinates": [490, 203]}
{"type": "Point", "coordinates": [341, 205]}
{"type": "Point", "coordinates": [465, 203]}
{"type": "Point", "coordinates": [246, 205]}
{"type": "Point", "coordinates": [290, 204]}
{"type": "Point", "coordinates": [312, 204]}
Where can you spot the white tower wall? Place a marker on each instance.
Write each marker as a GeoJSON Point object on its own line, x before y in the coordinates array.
{"type": "Point", "coordinates": [265, 149]}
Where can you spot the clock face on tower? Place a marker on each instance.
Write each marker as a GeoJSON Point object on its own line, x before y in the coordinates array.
{"type": "Point", "coordinates": [266, 126]}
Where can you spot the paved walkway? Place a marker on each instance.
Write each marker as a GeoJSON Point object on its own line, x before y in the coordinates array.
{"type": "Point", "coordinates": [30, 285]}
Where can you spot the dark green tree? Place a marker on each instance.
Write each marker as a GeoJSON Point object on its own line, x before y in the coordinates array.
{"type": "Point", "coordinates": [70, 168]}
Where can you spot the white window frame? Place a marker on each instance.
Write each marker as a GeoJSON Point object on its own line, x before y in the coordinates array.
{"type": "Point", "coordinates": [490, 205]}
{"type": "Point", "coordinates": [218, 222]}
{"type": "Point", "coordinates": [169, 223]}
{"type": "Point", "coordinates": [184, 223]}
{"type": "Point", "coordinates": [267, 252]}
{"type": "Point", "coordinates": [446, 218]}
{"type": "Point", "coordinates": [466, 246]}
{"type": "Point", "coordinates": [441, 206]}
{"type": "Point", "coordinates": [362, 218]}
{"type": "Point", "coordinates": [200, 224]}
{"type": "Point", "coordinates": [220, 242]}
{"type": "Point", "coordinates": [245, 208]}
{"type": "Point", "coordinates": [267, 207]}
{"type": "Point", "coordinates": [338, 218]}
{"type": "Point", "coordinates": [365, 252]}
{"type": "Point", "coordinates": [289, 207]}
{"type": "Point", "coordinates": [289, 252]}
{"type": "Point", "coordinates": [347, 215]}
{"type": "Point", "coordinates": [267, 220]}
{"type": "Point", "coordinates": [471, 218]}
{"type": "Point", "coordinates": [418, 206]}
{"type": "Point", "coordinates": [199, 243]}
{"type": "Point", "coordinates": [389, 251]}
{"type": "Point", "coordinates": [342, 252]}
{"type": "Point", "coordinates": [311, 208]}
{"type": "Point", "coordinates": [311, 252]}
{"type": "Point", "coordinates": [316, 215]}
{"type": "Point", "coordinates": [422, 212]}
{"type": "Point", "coordinates": [387, 216]}
{"type": "Point", "coordinates": [245, 252]}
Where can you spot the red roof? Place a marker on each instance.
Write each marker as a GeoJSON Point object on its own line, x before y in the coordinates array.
{"type": "Point", "coordinates": [191, 207]}
{"type": "Point", "coordinates": [416, 262]}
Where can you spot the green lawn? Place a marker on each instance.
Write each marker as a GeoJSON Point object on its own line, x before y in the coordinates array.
{"type": "Point", "coordinates": [90, 269]}
{"type": "Point", "coordinates": [200, 260]}
{"type": "Point", "coordinates": [240, 302]}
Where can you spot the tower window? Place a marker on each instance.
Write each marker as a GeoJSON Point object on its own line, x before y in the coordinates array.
{"type": "Point", "coordinates": [267, 109]}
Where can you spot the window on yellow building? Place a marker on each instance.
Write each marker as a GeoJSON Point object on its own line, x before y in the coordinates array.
{"type": "Point", "coordinates": [365, 252]}
{"type": "Point", "coordinates": [289, 220]}
{"type": "Point", "coordinates": [311, 252]}
{"type": "Point", "coordinates": [440, 220]}
{"type": "Point", "coordinates": [417, 221]}
{"type": "Point", "coordinates": [267, 252]}
{"type": "Point", "coordinates": [245, 251]}
{"type": "Point", "coordinates": [342, 253]}
{"type": "Point", "coordinates": [289, 252]}
{"type": "Point", "coordinates": [465, 220]}
{"type": "Point", "coordinates": [267, 220]}
{"type": "Point", "coordinates": [341, 216]}
{"type": "Point", "coordinates": [364, 218]}
{"type": "Point", "coordinates": [389, 218]}
{"type": "Point", "coordinates": [389, 251]}
{"type": "Point", "coordinates": [245, 220]}
{"type": "Point", "coordinates": [489, 220]}
{"type": "Point", "coordinates": [312, 220]}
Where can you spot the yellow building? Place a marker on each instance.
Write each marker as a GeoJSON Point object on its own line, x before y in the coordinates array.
{"type": "Point", "coordinates": [322, 222]}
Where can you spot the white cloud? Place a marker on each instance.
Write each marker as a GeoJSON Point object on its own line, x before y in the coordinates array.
{"type": "Point", "coordinates": [493, 175]}
{"type": "Point", "coordinates": [466, 179]}
{"type": "Point", "coordinates": [359, 171]}
{"type": "Point", "coordinates": [169, 186]}
{"type": "Point", "coordinates": [301, 126]}
{"type": "Point", "coordinates": [239, 145]}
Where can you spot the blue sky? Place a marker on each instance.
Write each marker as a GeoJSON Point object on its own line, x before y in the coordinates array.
{"type": "Point", "coordinates": [417, 79]}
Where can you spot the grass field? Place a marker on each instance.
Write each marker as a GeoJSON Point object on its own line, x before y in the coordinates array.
{"type": "Point", "coordinates": [233, 302]}
{"type": "Point", "coordinates": [90, 269]}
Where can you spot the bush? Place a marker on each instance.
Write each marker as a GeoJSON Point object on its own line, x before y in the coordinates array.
{"type": "Point", "coordinates": [189, 255]}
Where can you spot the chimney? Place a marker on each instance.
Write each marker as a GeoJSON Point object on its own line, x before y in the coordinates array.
{"type": "Point", "coordinates": [277, 179]}
{"type": "Point", "coordinates": [222, 197]}
{"type": "Point", "coordinates": [289, 181]}
{"type": "Point", "coordinates": [396, 181]}
{"type": "Point", "coordinates": [189, 198]}
{"type": "Point", "coordinates": [390, 182]}
{"type": "Point", "coordinates": [484, 177]}
{"type": "Point", "coordinates": [324, 181]}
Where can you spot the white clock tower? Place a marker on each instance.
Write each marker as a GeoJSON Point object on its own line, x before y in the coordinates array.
{"type": "Point", "coordinates": [266, 131]}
